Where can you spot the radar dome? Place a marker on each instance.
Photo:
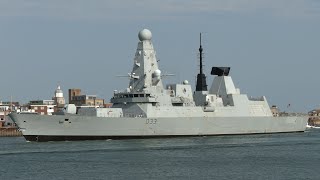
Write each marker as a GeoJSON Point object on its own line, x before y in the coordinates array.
{"type": "Point", "coordinates": [145, 34]}
{"type": "Point", "coordinates": [157, 73]}
{"type": "Point", "coordinates": [185, 82]}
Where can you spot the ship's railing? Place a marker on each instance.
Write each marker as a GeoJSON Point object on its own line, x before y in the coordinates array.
{"type": "Point", "coordinates": [256, 98]}
{"type": "Point", "coordinates": [292, 114]}
{"type": "Point", "coordinates": [130, 95]}
{"type": "Point", "coordinates": [134, 115]}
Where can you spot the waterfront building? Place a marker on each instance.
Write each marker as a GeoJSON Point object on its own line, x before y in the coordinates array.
{"type": "Point", "coordinates": [5, 109]}
{"type": "Point", "coordinates": [314, 117]}
{"type": "Point", "coordinates": [275, 110]}
{"type": "Point", "coordinates": [43, 107]}
{"type": "Point", "coordinates": [58, 97]}
{"type": "Point", "coordinates": [76, 98]}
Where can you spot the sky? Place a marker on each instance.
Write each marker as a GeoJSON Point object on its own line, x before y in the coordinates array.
{"type": "Point", "coordinates": [272, 46]}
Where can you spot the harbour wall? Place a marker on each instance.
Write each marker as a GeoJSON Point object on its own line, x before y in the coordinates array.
{"type": "Point", "coordinates": [9, 132]}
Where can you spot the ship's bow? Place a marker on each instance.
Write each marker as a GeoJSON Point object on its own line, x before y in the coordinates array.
{"type": "Point", "coordinates": [14, 118]}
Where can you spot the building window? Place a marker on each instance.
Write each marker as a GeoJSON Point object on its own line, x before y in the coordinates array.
{"type": "Point", "coordinates": [42, 108]}
{"type": "Point", "coordinates": [35, 108]}
{"type": "Point", "coordinates": [42, 113]}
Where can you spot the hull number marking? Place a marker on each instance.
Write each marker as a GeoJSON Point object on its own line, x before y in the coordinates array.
{"type": "Point", "coordinates": [151, 121]}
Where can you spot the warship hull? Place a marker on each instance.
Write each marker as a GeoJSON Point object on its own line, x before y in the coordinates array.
{"type": "Point", "coordinates": [148, 109]}
{"type": "Point", "coordinates": [64, 127]}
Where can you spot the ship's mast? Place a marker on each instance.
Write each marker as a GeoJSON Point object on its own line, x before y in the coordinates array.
{"type": "Point", "coordinates": [201, 78]}
{"type": "Point", "coordinates": [200, 51]}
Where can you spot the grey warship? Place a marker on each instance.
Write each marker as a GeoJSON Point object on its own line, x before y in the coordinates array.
{"type": "Point", "coordinates": [148, 109]}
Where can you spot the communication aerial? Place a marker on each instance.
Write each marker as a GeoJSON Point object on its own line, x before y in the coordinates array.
{"type": "Point", "coordinates": [201, 77]}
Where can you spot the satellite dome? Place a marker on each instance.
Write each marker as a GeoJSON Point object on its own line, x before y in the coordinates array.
{"type": "Point", "coordinates": [157, 73]}
{"type": "Point", "coordinates": [185, 82]}
{"type": "Point", "coordinates": [145, 34]}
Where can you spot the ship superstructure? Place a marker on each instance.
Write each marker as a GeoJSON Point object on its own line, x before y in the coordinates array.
{"type": "Point", "coordinates": [147, 108]}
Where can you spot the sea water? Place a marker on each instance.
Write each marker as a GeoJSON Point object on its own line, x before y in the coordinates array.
{"type": "Point", "coordinates": [268, 156]}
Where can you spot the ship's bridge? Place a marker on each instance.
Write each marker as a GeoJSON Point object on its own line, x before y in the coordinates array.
{"type": "Point", "coordinates": [128, 97]}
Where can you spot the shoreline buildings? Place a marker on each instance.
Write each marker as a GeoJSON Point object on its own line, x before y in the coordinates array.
{"type": "Point", "coordinates": [78, 99]}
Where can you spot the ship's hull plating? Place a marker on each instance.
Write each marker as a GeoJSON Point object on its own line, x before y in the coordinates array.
{"type": "Point", "coordinates": [73, 127]}
{"type": "Point", "coordinates": [41, 138]}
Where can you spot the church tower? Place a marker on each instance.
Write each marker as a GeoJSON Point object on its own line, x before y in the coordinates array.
{"type": "Point", "coordinates": [58, 97]}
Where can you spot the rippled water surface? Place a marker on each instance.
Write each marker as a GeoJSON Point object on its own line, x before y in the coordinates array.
{"type": "Point", "coordinates": [272, 156]}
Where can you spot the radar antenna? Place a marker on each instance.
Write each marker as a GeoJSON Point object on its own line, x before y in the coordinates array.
{"type": "Point", "coordinates": [201, 77]}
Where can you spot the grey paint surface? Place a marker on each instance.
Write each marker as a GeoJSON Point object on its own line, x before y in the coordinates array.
{"type": "Point", "coordinates": [146, 108]}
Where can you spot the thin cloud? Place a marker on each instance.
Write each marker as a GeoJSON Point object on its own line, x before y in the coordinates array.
{"type": "Point", "coordinates": [127, 9]}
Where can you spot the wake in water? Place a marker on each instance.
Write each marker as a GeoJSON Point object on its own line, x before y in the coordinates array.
{"type": "Point", "coordinates": [312, 127]}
